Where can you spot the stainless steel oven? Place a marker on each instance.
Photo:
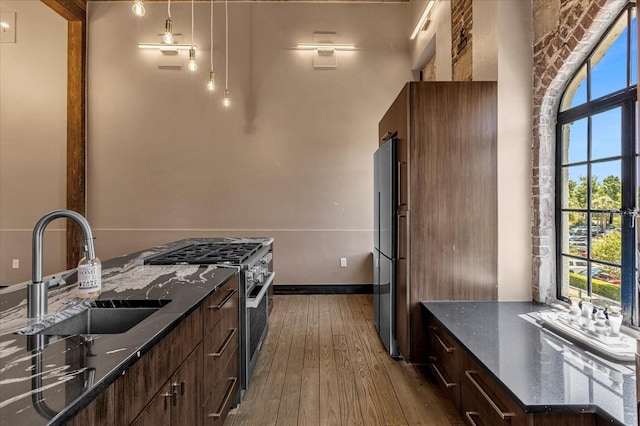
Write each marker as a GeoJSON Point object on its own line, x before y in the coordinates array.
{"type": "Point", "coordinates": [257, 317]}
{"type": "Point", "coordinates": [255, 280]}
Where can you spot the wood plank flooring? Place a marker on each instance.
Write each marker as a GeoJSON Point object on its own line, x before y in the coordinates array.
{"type": "Point", "coordinates": [322, 363]}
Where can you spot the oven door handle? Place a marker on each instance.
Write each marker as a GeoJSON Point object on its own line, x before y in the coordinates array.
{"type": "Point", "coordinates": [254, 302]}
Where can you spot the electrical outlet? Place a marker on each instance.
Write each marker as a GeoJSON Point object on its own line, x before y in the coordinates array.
{"type": "Point", "coordinates": [343, 262]}
{"type": "Point", "coordinates": [15, 264]}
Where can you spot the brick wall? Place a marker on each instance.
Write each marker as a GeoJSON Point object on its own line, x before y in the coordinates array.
{"type": "Point", "coordinates": [564, 32]}
{"type": "Point", "coordinates": [461, 32]}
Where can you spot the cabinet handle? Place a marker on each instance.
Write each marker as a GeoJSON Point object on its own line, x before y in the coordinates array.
{"type": "Point", "coordinates": [444, 345]}
{"type": "Point", "coordinates": [168, 396]}
{"type": "Point", "coordinates": [224, 301]}
{"type": "Point", "coordinates": [177, 386]}
{"type": "Point", "coordinates": [217, 414]}
{"type": "Point", "coordinates": [226, 342]}
{"type": "Point", "coordinates": [446, 384]}
{"type": "Point", "coordinates": [473, 381]}
{"type": "Point", "coordinates": [470, 415]}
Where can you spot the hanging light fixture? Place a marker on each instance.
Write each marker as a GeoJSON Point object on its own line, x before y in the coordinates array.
{"type": "Point", "coordinates": [226, 101]}
{"type": "Point", "coordinates": [192, 51]}
{"type": "Point", "coordinates": [168, 26]}
{"type": "Point", "coordinates": [138, 7]}
{"type": "Point", "coordinates": [211, 84]}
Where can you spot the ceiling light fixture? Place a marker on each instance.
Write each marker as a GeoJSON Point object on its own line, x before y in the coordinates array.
{"type": "Point", "coordinates": [138, 7]}
{"type": "Point", "coordinates": [329, 47]}
{"type": "Point", "coordinates": [168, 26]}
{"type": "Point", "coordinates": [423, 19]}
{"type": "Point", "coordinates": [166, 47]}
{"type": "Point", "coordinates": [192, 51]}
{"type": "Point", "coordinates": [211, 84]}
{"type": "Point", "coordinates": [226, 101]}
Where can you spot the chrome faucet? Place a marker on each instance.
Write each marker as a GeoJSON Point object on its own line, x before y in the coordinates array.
{"type": "Point", "coordinates": [38, 291]}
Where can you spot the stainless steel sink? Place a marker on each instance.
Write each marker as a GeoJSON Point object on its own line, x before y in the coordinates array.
{"type": "Point", "coordinates": [99, 321]}
{"type": "Point", "coordinates": [101, 317]}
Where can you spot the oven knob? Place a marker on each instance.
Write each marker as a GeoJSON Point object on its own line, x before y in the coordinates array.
{"type": "Point", "coordinates": [249, 275]}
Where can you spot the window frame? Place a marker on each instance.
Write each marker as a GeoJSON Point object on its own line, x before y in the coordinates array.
{"type": "Point", "coordinates": [625, 99]}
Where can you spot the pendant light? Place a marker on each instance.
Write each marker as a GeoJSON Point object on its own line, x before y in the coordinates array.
{"type": "Point", "coordinates": [226, 101]}
{"type": "Point", "coordinates": [211, 84]}
{"type": "Point", "coordinates": [168, 26]}
{"type": "Point", "coordinates": [192, 51]}
{"type": "Point", "coordinates": [138, 7]}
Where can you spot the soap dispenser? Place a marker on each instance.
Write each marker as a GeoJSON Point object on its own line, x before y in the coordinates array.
{"type": "Point", "coordinates": [89, 278]}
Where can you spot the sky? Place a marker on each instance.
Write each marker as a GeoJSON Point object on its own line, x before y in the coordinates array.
{"type": "Point", "coordinates": [607, 76]}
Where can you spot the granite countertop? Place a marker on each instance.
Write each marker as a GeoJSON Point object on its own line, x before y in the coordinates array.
{"type": "Point", "coordinates": [543, 372]}
{"type": "Point", "coordinates": [68, 372]}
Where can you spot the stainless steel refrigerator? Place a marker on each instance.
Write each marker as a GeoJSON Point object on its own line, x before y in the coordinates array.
{"type": "Point", "coordinates": [385, 175]}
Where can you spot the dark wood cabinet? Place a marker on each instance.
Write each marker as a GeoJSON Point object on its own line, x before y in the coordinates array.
{"type": "Point", "coordinates": [178, 402]}
{"type": "Point", "coordinates": [190, 377]}
{"type": "Point", "coordinates": [447, 199]}
{"type": "Point", "coordinates": [477, 396]}
{"type": "Point", "coordinates": [221, 354]}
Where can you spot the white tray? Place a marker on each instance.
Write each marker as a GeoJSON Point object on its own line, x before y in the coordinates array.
{"type": "Point", "coordinates": [622, 347]}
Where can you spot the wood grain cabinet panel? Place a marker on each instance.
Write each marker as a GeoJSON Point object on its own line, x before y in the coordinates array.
{"type": "Point", "coordinates": [178, 401]}
{"type": "Point", "coordinates": [447, 213]}
{"type": "Point", "coordinates": [142, 381]}
{"type": "Point", "coordinates": [446, 361]}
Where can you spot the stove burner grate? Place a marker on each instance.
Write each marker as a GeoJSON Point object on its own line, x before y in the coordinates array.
{"type": "Point", "coordinates": [206, 254]}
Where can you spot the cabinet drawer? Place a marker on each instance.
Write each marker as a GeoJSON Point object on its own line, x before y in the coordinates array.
{"type": "Point", "coordinates": [446, 361]}
{"type": "Point", "coordinates": [219, 397]}
{"type": "Point", "coordinates": [221, 304]}
{"type": "Point", "coordinates": [484, 402]}
{"type": "Point", "coordinates": [219, 347]}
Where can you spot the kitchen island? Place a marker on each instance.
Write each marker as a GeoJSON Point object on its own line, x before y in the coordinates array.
{"type": "Point", "coordinates": [49, 379]}
{"type": "Point", "coordinates": [496, 354]}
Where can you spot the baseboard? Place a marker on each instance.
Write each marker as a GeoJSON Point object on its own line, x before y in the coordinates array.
{"type": "Point", "coordinates": [323, 289]}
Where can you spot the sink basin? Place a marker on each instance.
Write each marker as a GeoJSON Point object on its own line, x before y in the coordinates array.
{"type": "Point", "coordinates": [101, 317]}
{"type": "Point", "coordinates": [99, 321]}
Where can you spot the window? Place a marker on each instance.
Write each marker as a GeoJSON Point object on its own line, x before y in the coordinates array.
{"type": "Point", "coordinates": [596, 186]}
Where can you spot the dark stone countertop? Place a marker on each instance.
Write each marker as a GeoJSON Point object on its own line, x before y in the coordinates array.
{"type": "Point", "coordinates": [543, 372]}
{"type": "Point", "coordinates": [75, 369]}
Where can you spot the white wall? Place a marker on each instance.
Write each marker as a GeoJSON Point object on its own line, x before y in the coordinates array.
{"type": "Point", "coordinates": [292, 156]}
{"type": "Point", "coordinates": [515, 65]}
{"type": "Point", "coordinates": [33, 114]}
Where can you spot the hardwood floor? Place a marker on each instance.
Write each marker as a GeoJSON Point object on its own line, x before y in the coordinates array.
{"type": "Point", "coordinates": [322, 363]}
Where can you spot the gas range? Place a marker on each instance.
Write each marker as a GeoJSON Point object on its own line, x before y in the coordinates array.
{"type": "Point", "coordinates": [254, 263]}
{"type": "Point", "coordinates": [207, 254]}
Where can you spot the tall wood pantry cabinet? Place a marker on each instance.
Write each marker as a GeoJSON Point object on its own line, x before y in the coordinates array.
{"type": "Point", "coordinates": [447, 199]}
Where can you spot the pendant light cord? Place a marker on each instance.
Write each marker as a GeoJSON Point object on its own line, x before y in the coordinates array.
{"type": "Point", "coordinates": [212, 35]}
{"type": "Point", "coordinates": [191, 21]}
{"type": "Point", "coordinates": [226, 38]}
{"type": "Point", "coordinates": [169, 8]}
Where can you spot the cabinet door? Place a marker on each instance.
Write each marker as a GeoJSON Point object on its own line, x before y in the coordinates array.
{"type": "Point", "coordinates": [186, 389]}
{"type": "Point", "coordinates": [158, 412]}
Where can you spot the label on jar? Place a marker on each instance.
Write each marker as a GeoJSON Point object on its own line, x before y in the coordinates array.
{"type": "Point", "coordinates": [89, 278]}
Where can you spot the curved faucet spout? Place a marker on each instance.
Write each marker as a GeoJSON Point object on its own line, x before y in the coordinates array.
{"type": "Point", "coordinates": [37, 291]}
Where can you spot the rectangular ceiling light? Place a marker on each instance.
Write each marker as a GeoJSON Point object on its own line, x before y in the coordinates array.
{"type": "Point", "coordinates": [165, 46]}
{"type": "Point", "coordinates": [423, 19]}
{"type": "Point", "coordinates": [326, 46]}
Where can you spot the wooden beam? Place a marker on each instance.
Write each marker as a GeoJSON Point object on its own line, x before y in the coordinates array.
{"type": "Point", "coordinates": [76, 147]}
{"type": "Point", "coordinates": [71, 10]}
